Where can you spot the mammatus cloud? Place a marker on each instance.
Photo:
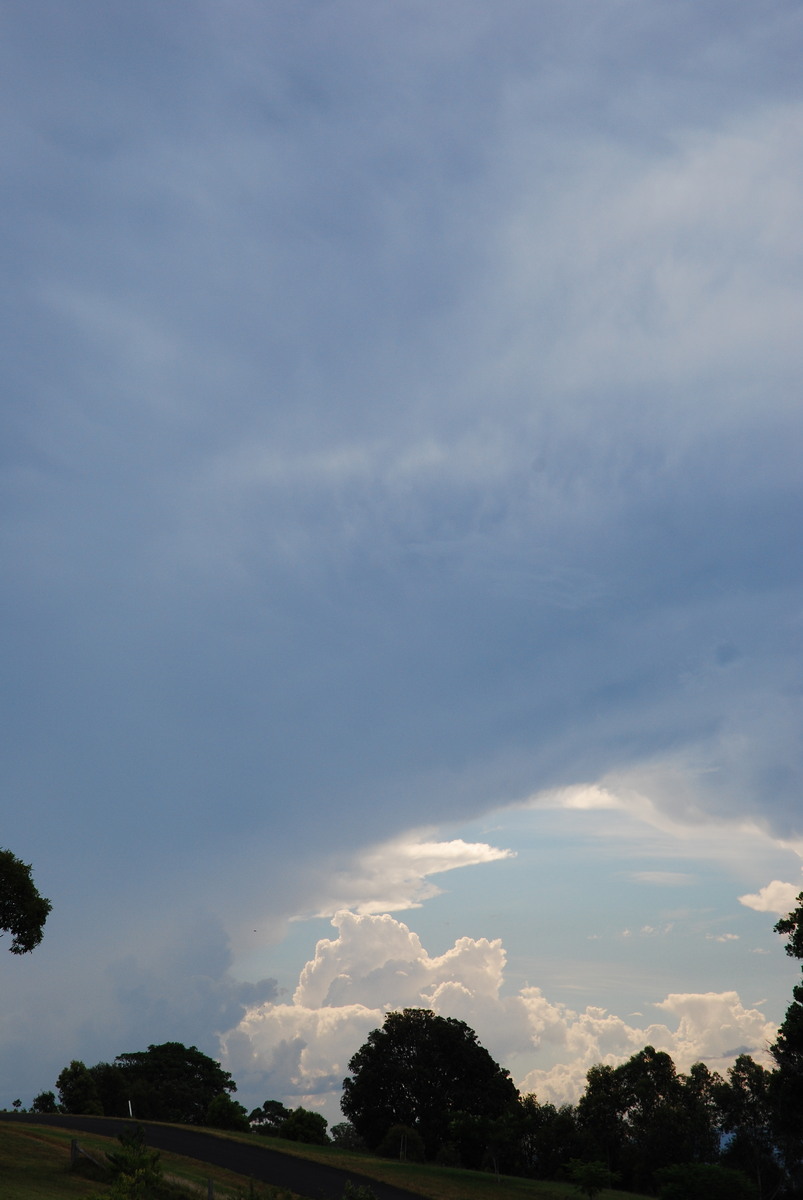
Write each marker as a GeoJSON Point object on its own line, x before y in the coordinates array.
{"type": "Point", "coordinates": [775, 897]}
{"type": "Point", "coordinates": [300, 1051]}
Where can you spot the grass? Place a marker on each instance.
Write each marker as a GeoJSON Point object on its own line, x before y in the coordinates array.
{"type": "Point", "coordinates": [35, 1165]}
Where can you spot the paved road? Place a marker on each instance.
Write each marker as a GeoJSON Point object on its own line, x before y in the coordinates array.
{"type": "Point", "coordinates": [312, 1180]}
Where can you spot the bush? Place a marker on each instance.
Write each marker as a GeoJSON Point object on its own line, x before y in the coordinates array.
{"type": "Point", "coordinates": [703, 1181]}
{"type": "Point", "coordinates": [358, 1191]}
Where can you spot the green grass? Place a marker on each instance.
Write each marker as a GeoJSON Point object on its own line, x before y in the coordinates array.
{"type": "Point", "coordinates": [35, 1165]}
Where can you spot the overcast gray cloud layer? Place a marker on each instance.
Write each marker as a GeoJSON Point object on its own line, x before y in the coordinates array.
{"type": "Point", "coordinates": [401, 415]}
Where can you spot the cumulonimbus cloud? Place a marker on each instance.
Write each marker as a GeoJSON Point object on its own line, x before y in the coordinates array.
{"type": "Point", "coordinates": [299, 1051]}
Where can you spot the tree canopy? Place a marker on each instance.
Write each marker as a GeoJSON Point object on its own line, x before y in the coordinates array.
{"type": "Point", "coordinates": [419, 1070]}
{"type": "Point", "coordinates": [23, 911]}
{"type": "Point", "coordinates": [170, 1082]}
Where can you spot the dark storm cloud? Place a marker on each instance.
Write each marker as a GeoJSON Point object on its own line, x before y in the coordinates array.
{"type": "Point", "coordinates": [400, 417]}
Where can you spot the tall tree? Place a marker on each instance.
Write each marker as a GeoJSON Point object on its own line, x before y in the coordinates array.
{"type": "Point", "coordinates": [172, 1082]}
{"type": "Point", "coordinates": [77, 1089]}
{"type": "Point", "coordinates": [420, 1070]}
{"type": "Point", "coordinates": [23, 911]}
{"type": "Point", "coordinates": [787, 1050]}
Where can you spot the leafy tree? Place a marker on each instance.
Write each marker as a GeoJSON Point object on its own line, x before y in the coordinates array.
{"type": "Point", "coordinates": [787, 1050]}
{"type": "Point", "coordinates": [418, 1070]}
{"type": "Point", "coordinates": [78, 1091]}
{"type": "Point", "coordinates": [590, 1178]}
{"type": "Point", "coordinates": [268, 1117]}
{"type": "Point", "coordinates": [45, 1102]}
{"type": "Point", "coordinates": [23, 911]}
{"type": "Point", "coordinates": [550, 1138]}
{"type": "Point", "coordinates": [403, 1143]}
{"type": "Point", "coordinates": [113, 1088]}
{"type": "Point", "coordinates": [745, 1101]}
{"type": "Point", "coordinates": [346, 1137]}
{"type": "Point", "coordinates": [303, 1125]}
{"type": "Point", "coordinates": [172, 1082]}
{"type": "Point", "coordinates": [601, 1113]}
{"type": "Point", "coordinates": [225, 1113]}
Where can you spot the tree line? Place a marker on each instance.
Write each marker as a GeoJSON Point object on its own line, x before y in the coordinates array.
{"type": "Point", "coordinates": [423, 1087]}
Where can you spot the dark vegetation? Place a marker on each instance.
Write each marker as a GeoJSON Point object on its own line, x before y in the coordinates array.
{"type": "Point", "coordinates": [422, 1088]}
{"type": "Point", "coordinates": [23, 911]}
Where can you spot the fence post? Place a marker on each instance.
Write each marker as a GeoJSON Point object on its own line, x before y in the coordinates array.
{"type": "Point", "coordinates": [210, 1189]}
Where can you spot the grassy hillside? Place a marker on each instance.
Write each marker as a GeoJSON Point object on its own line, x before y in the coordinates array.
{"type": "Point", "coordinates": [35, 1165]}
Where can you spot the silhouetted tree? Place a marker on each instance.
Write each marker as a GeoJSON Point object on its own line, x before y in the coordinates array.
{"type": "Point", "coordinates": [23, 911]}
{"type": "Point", "coordinates": [303, 1125]}
{"type": "Point", "coordinates": [268, 1117]}
{"type": "Point", "coordinates": [78, 1092]}
{"type": "Point", "coordinates": [173, 1082]}
{"type": "Point", "coordinates": [419, 1070]}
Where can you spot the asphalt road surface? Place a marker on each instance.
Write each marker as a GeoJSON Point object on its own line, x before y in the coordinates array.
{"type": "Point", "coordinates": [314, 1181]}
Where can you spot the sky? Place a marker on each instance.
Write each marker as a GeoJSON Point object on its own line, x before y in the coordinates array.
{"type": "Point", "coordinates": [401, 507]}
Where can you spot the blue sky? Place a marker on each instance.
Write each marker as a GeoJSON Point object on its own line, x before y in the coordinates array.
{"type": "Point", "coordinates": [401, 520]}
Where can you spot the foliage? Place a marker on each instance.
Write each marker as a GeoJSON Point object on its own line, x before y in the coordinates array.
{"type": "Point", "coordinates": [225, 1113]}
{"type": "Point", "coordinates": [345, 1136]}
{"type": "Point", "coordinates": [589, 1177]}
{"type": "Point", "coordinates": [78, 1091]}
{"type": "Point", "coordinates": [402, 1142]}
{"type": "Point", "coordinates": [268, 1117]}
{"type": "Point", "coordinates": [303, 1125]}
{"type": "Point", "coordinates": [169, 1082]}
{"type": "Point", "coordinates": [787, 1083]}
{"type": "Point", "coordinates": [136, 1171]}
{"type": "Point", "coordinates": [358, 1191]}
{"type": "Point", "coordinates": [45, 1102]}
{"type": "Point", "coordinates": [23, 911]}
{"type": "Point", "coordinates": [172, 1082]}
{"type": "Point", "coordinates": [703, 1181]}
{"type": "Point", "coordinates": [642, 1115]}
{"type": "Point", "coordinates": [418, 1070]}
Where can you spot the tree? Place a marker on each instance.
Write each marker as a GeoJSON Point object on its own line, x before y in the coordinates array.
{"type": "Point", "coordinates": [590, 1178]}
{"type": "Point", "coordinates": [787, 1050]}
{"type": "Point", "coordinates": [225, 1113]}
{"type": "Point", "coordinates": [45, 1102]}
{"type": "Point", "coordinates": [172, 1082]}
{"type": "Point", "coordinates": [746, 1105]}
{"type": "Point", "coordinates": [78, 1091]}
{"type": "Point", "coordinates": [23, 911]}
{"type": "Point", "coordinates": [267, 1119]}
{"type": "Point", "coordinates": [303, 1125]}
{"type": "Point", "coordinates": [419, 1070]}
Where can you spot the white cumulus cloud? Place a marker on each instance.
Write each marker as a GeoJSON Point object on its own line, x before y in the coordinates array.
{"type": "Point", "coordinates": [299, 1051]}
{"type": "Point", "coordinates": [775, 897]}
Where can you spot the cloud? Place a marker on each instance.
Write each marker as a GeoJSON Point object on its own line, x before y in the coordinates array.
{"type": "Point", "coordinates": [774, 897]}
{"type": "Point", "coordinates": [395, 875]}
{"type": "Point", "coordinates": [299, 1051]}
